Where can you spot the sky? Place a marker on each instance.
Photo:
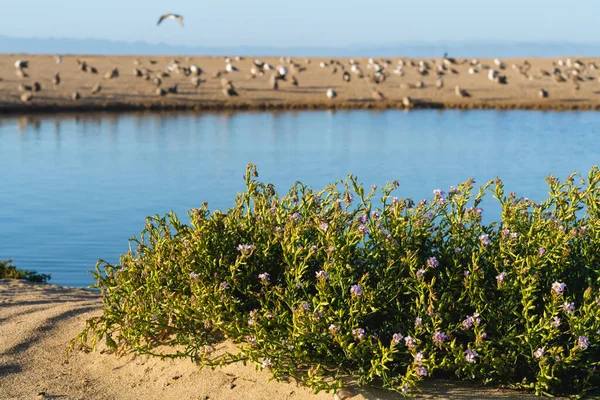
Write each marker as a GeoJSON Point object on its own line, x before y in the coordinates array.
{"type": "Point", "coordinates": [306, 22]}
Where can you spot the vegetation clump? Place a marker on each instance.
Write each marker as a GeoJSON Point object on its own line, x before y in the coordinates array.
{"type": "Point", "coordinates": [10, 271]}
{"type": "Point", "coordinates": [328, 285]}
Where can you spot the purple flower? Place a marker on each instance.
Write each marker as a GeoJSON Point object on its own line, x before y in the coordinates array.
{"type": "Point", "coordinates": [422, 371]}
{"type": "Point", "coordinates": [505, 232]}
{"type": "Point", "coordinates": [264, 277]}
{"type": "Point", "coordinates": [194, 275]}
{"type": "Point", "coordinates": [453, 190]}
{"type": "Point", "coordinates": [334, 329]}
{"type": "Point", "coordinates": [305, 306]}
{"type": "Point", "coordinates": [358, 333]}
{"type": "Point", "coordinates": [397, 338]}
{"type": "Point", "coordinates": [405, 389]}
{"type": "Point", "coordinates": [266, 363]}
{"type": "Point", "coordinates": [541, 251]}
{"type": "Point", "coordinates": [568, 307]}
{"type": "Point", "coordinates": [438, 193]}
{"type": "Point", "coordinates": [251, 339]}
{"type": "Point", "coordinates": [323, 226]}
{"type": "Point", "coordinates": [322, 275]}
{"type": "Point", "coordinates": [466, 273]}
{"type": "Point", "coordinates": [539, 353]}
{"type": "Point", "coordinates": [478, 211]}
{"type": "Point", "coordinates": [471, 320]}
{"type": "Point", "coordinates": [558, 288]}
{"type": "Point", "coordinates": [364, 218]}
{"type": "Point", "coordinates": [375, 214]}
{"type": "Point", "coordinates": [470, 357]}
{"type": "Point", "coordinates": [330, 249]}
{"type": "Point", "coordinates": [313, 248]}
{"type": "Point", "coordinates": [410, 342]}
{"type": "Point", "coordinates": [356, 290]}
{"type": "Point", "coordinates": [420, 273]}
{"type": "Point", "coordinates": [418, 322]}
{"type": "Point", "coordinates": [245, 248]}
{"type": "Point", "coordinates": [433, 262]}
{"type": "Point", "coordinates": [224, 285]}
{"type": "Point", "coordinates": [458, 249]}
{"type": "Point", "coordinates": [500, 277]}
{"type": "Point", "coordinates": [582, 342]}
{"type": "Point", "coordinates": [514, 235]}
{"type": "Point", "coordinates": [555, 322]}
{"type": "Point", "coordinates": [295, 216]}
{"type": "Point", "coordinates": [419, 357]}
{"type": "Point", "coordinates": [484, 239]}
{"type": "Point", "coordinates": [439, 337]}
{"type": "Point", "coordinates": [395, 200]}
{"type": "Point", "coordinates": [362, 229]}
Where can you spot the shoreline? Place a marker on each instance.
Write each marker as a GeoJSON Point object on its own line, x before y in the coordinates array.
{"type": "Point", "coordinates": [403, 78]}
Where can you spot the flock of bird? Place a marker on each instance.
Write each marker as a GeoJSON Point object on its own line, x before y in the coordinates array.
{"type": "Point", "coordinates": [373, 72]}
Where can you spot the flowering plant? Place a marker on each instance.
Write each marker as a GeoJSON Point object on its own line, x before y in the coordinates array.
{"type": "Point", "coordinates": [326, 285]}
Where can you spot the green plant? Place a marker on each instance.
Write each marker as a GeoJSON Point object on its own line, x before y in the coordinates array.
{"type": "Point", "coordinates": [334, 284]}
{"type": "Point", "coordinates": [8, 270]}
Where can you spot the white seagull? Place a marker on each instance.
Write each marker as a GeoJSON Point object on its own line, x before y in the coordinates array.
{"type": "Point", "coordinates": [170, 16]}
{"type": "Point", "coordinates": [331, 94]}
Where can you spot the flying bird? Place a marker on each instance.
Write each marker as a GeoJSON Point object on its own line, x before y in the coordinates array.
{"type": "Point", "coordinates": [170, 16]}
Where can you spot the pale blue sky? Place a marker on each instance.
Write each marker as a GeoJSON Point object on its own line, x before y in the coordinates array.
{"type": "Point", "coordinates": [305, 22]}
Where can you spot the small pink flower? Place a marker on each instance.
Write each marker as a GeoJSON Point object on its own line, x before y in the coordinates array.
{"type": "Point", "coordinates": [418, 322]}
{"type": "Point", "coordinates": [397, 338]}
{"type": "Point", "coordinates": [439, 337]}
{"type": "Point", "coordinates": [422, 371]}
{"type": "Point", "coordinates": [419, 357]}
{"type": "Point", "coordinates": [358, 333]}
{"type": "Point", "coordinates": [322, 275]}
{"type": "Point", "coordinates": [433, 262]}
{"type": "Point", "coordinates": [323, 226]}
{"type": "Point", "coordinates": [568, 307]}
{"type": "Point", "coordinates": [264, 277]}
{"type": "Point", "coordinates": [334, 329]}
{"type": "Point", "coordinates": [410, 342]}
{"type": "Point", "coordinates": [539, 353]}
{"type": "Point", "coordinates": [266, 363]}
{"type": "Point", "coordinates": [484, 239]}
{"type": "Point", "coordinates": [582, 342]}
{"type": "Point", "coordinates": [471, 356]}
{"type": "Point", "coordinates": [558, 287]}
{"type": "Point", "coordinates": [356, 290]}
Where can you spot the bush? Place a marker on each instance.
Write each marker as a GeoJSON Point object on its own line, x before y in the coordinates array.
{"type": "Point", "coordinates": [329, 285]}
{"type": "Point", "coordinates": [9, 271]}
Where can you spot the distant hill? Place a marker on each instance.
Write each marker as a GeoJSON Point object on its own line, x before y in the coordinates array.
{"type": "Point", "coordinates": [425, 49]}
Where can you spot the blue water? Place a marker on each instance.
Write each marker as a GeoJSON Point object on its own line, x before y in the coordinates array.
{"type": "Point", "coordinates": [75, 189]}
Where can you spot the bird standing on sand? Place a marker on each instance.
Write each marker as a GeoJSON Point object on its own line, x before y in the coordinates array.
{"type": "Point", "coordinates": [76, 96]}
{"type": "Point", "coordinates": [229, 90]}
{"type": "Point", "coordinates": [114, 73]}
{"type": "Point", "coordinates": [461, 92]}
{"type": "Point", "coordinates": [170, 16]}
{"type": "Point", "coordinates": [407, 102]}
{"type": "Point", "coordinates": [26, 97]}
{"type": "Point", "coordinates": [96, 89]}
{"type": "Point", "coordinates": [21, 64]}
{"type": "Point", "coordinates": [543, 94]}
{"type": "Point", "coordinates": [231, 68]}
{"type": "Point", "coordinates": [56, 79]}
{"type": "Point", "coordinates": [439, 83]}
{"type": "Point", "coordinates": [346, 76]}
{"type": "Point", "coordinates": [331, 94]}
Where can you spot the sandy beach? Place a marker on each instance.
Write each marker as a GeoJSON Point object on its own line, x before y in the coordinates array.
{"type": "Point", "coordinates": [130, 92]}
{"type": "Point", "coordinates": [37, 321]}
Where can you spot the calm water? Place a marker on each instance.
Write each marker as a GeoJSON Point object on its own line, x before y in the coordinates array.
{"type": "Point", "coordinates": [75, 189]}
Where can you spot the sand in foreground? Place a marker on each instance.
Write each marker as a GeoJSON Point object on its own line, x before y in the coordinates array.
{"type": "Point", "coordinates": [130, 92]}
{"type": "Point", "coordinates": [37, 322]}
